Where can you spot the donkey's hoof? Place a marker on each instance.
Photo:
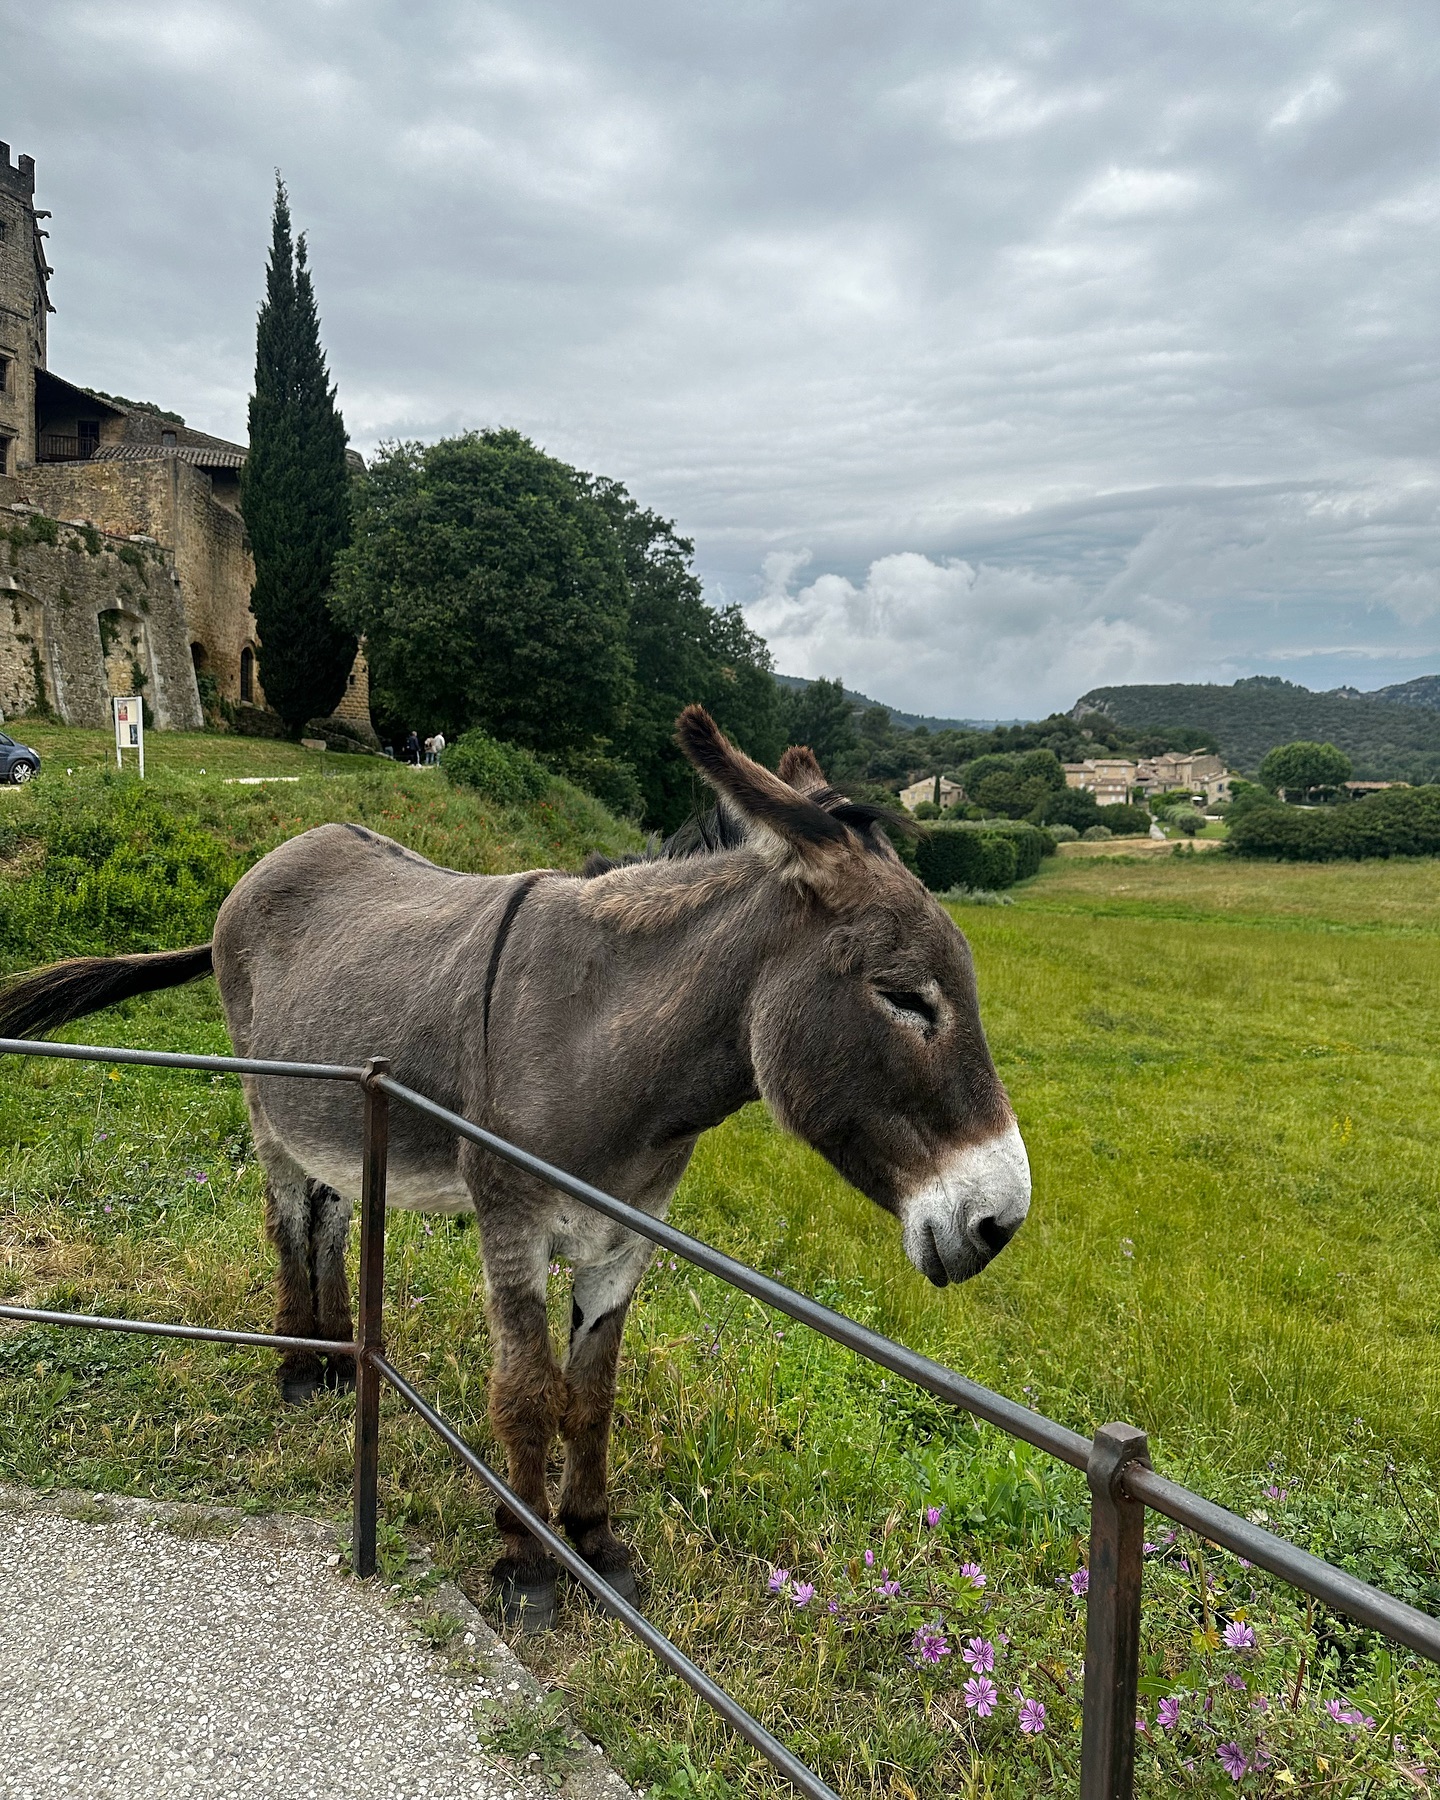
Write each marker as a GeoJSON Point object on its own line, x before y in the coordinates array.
{"type": "Point", "coordinates": [299, 1390]}
{"type": "Point", "coordinates": [531, 1605]}
{"type": "Point", "coordinates": [622, 1580]}
{"type": "Point", "coordinates": [339, 1374]}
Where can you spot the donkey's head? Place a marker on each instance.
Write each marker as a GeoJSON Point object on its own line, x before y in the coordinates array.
{"type": "Point", "coordinates": [865, 1032]}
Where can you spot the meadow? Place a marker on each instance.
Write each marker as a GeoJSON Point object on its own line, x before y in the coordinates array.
{"type": "Point", "coordinates": [1226, 1076]}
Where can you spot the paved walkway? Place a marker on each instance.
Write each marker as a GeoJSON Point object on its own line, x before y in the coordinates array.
{"type": "Point", "coordinates": [140, 1664]}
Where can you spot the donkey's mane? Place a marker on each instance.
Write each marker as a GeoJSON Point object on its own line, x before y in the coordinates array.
{"type": "Point", "coordinates": [721, 828]}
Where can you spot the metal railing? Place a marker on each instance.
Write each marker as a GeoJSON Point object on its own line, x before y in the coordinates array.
{"type": "Point", "coordinates": [1116, 1461]}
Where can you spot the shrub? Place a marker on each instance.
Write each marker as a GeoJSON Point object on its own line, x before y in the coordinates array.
{"type": "Point", "coordinates": [1398, 822]}
{"type": "Point", "coordinates": [113, 870]}
{"type": "Point", "coordinates": [503, 773]}
{"type": "Point", "coordinates": [1061, 834]}
{"type": "Point", "coordinates": [959, 856]}
{"type": "Point", "coordinates": [1096, 834]}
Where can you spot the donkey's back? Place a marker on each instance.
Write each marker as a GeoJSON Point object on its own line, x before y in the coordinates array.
{"type": "Point", "coordinates": [341, 945]}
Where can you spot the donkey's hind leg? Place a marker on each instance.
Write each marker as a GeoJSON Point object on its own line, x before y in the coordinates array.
{"type": "Point", "coordinates": [329, 1283]}
{"type": "Point", "coordinates": [600, 1301]}
{"type": "Point", "coordinates": [287, 1225]}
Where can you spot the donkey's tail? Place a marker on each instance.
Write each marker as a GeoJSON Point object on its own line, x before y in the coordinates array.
{"type": "Point", "coordinates": [45, 998]}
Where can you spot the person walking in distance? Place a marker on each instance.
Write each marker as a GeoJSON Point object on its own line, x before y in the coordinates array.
{"type": "Point", "coordinates": [438, 741]}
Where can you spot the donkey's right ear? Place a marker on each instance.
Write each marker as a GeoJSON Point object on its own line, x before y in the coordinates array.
{"type": "Point", "coordinates": [762, 799]}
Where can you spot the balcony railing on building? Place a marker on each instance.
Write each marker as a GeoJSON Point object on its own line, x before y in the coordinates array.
{"type": "Point", "coordinates": [57, 447]}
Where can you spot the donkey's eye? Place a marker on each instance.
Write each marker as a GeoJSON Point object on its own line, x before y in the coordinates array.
{"type": "Point", "coordinates": [914, 1008]}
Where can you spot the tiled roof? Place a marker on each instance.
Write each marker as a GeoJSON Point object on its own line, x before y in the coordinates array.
{"type": "Point", "coordinates": [230, 457]}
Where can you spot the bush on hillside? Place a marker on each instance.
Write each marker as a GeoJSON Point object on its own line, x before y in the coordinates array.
{"type": "Point", "coordinates": [1061, 834]}
{"type": "Point", "coordinates": [105, 872]}
{"type": "Point", "coordinates": [958, 856]}
{"type": "Point", "coordinates": [1397, 822]}
{"type": "Point", "coordinates": [503, 773]}
{"type": "Point", "coordinates": [1096, 834]}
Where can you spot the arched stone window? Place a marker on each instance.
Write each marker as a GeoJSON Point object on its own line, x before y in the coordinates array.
{"type": "Point", "coordinates": [247, 675]}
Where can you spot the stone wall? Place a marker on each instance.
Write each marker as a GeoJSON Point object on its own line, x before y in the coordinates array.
{"type": "Point", "coordinates": [86, 616]}
{"type": "Point", "coordinates": [173, 503]}
{"type": "Point", "coordinates": [23, 305]}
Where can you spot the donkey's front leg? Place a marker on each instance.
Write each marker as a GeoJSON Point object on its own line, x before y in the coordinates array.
{"type": "Point", "coordinates": [526, 1392]}
{"type": "Point", "coordinates": [601, 1299]}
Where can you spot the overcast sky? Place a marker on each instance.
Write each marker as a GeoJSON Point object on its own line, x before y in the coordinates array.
{"type": "Point", "coordinates": [987, 351]}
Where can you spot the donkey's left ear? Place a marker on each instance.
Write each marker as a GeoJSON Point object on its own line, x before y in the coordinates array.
{"type": "Point", "coordinates": [758, 796]}
{"type": "Point", "coordinates": [800, 770]}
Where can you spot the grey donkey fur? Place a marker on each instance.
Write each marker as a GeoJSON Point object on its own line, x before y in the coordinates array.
{"type": "Point", "coordinates": [602, 1023]}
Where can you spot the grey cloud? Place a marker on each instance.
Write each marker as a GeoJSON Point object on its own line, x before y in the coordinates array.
{"type": "Point", "coordinates": [1072, 345]}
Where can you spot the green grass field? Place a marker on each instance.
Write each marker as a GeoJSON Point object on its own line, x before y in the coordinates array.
{"type": "Point", "coordinates": [1226, 1077]}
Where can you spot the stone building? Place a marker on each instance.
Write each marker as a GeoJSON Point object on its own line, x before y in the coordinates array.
{"type": "Point", "coordinates": [1108, 778]}
{"type": "Point", "coordinates": [128, 565]}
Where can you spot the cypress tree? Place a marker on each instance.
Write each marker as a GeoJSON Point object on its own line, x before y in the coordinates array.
{"type": "Point", "coordinates": [295, 492]}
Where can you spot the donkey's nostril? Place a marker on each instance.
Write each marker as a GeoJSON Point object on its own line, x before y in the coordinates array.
{"type": "Point", "coordinates": [993, 1235]}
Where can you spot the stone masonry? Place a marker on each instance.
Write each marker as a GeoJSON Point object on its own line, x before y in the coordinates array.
{"type": "Point", "coordinates": [156, 597]}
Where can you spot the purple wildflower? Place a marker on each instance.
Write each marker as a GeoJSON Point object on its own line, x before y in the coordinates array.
{"type": "Point", "coordinates": [973, 1573]}
{"type": "Point", "coordinates": [1032, 1717]}
{"type": "Point", "coordinates": [1233, 1760]}
{"type": "Point", "coordinates": [803, 1593]}
{"type": "Point", "coordinates": [833, 1606]}
{"type": "Point", "coordinates": [1276, 1494]}
{"type": "Point", "coordinates": [1168, 1715]}
{"type": "Point", "coordinates": [929, 1643]}
{"type": "Point", "coordinates": [779, 1580]}
{"type": "Point", "coordinates": [869, 1559]}
{"type": "Point", "coordinates": [1185, 1565]}
{"type": "Point", "coordinates": [886, 1588]}
{"type": "Point", "coordinates": [1080, 1582]}
{"type": "Point", "coordinates": [932, 1516]}
{"type": "Point", "coordinates": [980, 1695]}
{"type": "Point", "coordinates": [980, 1654]}
{"type": "Point", "coordinates": [201, 1176]}
{"type": "Point", "coordinates": [1237, 1682]}
{"type": "Point", "coordinates": [1239, 1636]}
{"type": "Point", "coordinates": [1148, 1549]}
{"type": "Point", "coordinates": [107, 1207]}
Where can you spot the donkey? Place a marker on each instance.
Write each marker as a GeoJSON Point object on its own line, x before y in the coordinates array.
{"type": "Point", "coordinates": [603, 1023]}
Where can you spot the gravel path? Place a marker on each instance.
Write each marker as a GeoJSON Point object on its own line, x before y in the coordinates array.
{"type": "Point", "coordinates": [136, 1664]}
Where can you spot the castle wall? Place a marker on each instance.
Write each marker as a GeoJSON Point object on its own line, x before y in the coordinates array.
{"type": "Point", "coordinates": [23, 306]}
{"type": "Point", "coordinates": [173, 503]}
{"type": "Point", "coordinates": [91, 615]}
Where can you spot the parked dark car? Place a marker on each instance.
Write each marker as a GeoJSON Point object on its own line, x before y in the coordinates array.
{"type": "Point", "coordinates": [18, 762]}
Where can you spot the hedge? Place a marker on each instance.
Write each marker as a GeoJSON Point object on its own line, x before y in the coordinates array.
{"type": "Point", "coordinates": [1395, 822]}
{"type": "Point", "coordinates": [951, 856]}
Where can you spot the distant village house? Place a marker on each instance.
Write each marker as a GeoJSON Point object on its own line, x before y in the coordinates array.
{"type": "Point", "coordinates": [939, 789]}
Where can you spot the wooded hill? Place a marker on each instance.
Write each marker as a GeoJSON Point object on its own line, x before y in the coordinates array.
{"type": "Point", "coordinates": [1396, 738]}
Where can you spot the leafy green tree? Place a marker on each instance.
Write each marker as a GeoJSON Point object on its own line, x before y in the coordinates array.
{"type": "Point", "coordinates": [819, 715]}
{"type": "Point", "coordinates": [295, 492]}
{"type": "Point", "coordinates": [491, 590]}
{"type": "Point", "coordinates": [1304, 768]}
{"type": "Point", "coordinates": [1014, 787]}
{"type": "Point", "coordinates": [683, 651]}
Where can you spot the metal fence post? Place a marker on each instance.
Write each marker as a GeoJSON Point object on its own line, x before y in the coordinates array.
{"type": "Point", "coordinates": [1112, 1616]}
{"type": "Point", "coordinates": [369, 1329]}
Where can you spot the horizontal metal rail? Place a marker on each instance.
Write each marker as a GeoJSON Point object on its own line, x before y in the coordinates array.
{"type": "Point", "coordinates": [1366, 1605]}
{"type": "Point", "coordinates": [204, 1334]}
{"type": "Point", "coordinates": [750, 1728]}
{"type": "Point", "coordinates": [174, 1059]}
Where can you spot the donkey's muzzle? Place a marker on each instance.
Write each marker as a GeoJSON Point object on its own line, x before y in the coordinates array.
{"type": "Point", "coordinates": [965, 1215]}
